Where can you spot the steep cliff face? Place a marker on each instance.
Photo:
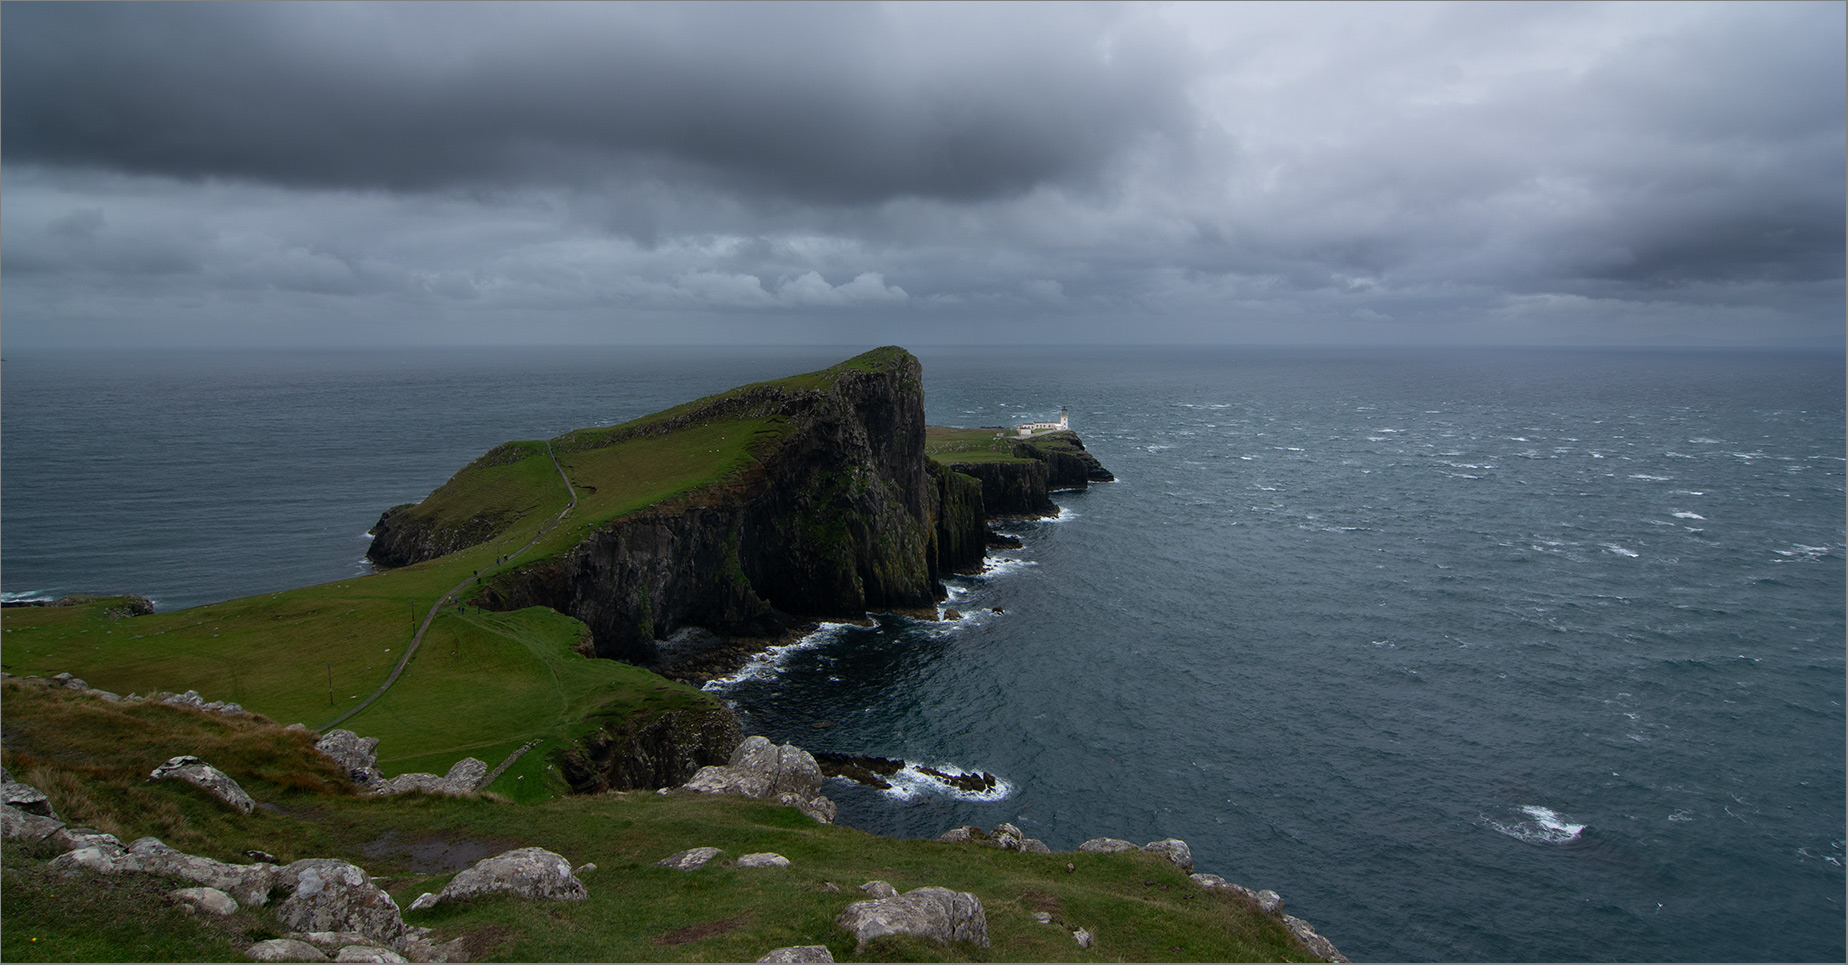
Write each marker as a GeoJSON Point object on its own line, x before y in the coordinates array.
{"type": "Point", "coordinates": [1016, 488]}
{"type": "Point", "coordinates": [836, 518]}
{"type": "Point", "coordinates": [962, 522]}
{"type": "Point", "coordinates": [1068, 464]}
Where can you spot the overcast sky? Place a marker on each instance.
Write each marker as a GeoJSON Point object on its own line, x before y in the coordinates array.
{"type": "Point", "coordinates": [371, 174]}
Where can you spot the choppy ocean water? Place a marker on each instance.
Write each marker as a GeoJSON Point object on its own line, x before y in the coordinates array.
{"type": "Point", "coordinates": [1471, 655]}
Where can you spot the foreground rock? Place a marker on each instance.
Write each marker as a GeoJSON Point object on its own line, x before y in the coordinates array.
{"type": "Point", "coordinates": [1007, 837]}
{"type": "Point", "coordinates": [1315, 943]}
{"type": "Point", "coordinates": [20, 825]}
{"type": "Point", "coordinates": [211, 901]}
{"type": "Point", "coordinates": [691, 859]}
{"type": "Point", "coordinates": [465, 777]}
{"type": "Point", "coordinates": [1107, 845]}
{"type": "Point", "coordinates": [327, 894]}
{"type": "Point", "coordinates": [284, 950]}
{"type": "Point", "coordinates": [528, 872]}
{"type": "Point", "coordinates": [934, 914]}
{"type": "Point", "coordinates": [359, 755]}
{"type": "Point", "coordinates": [202, 775]}
{"type": "Point", "coordinates": [1175, 850]}
{"type": "Point", "coordinates": [103, 854]}
{"type": "Point", "coordinates": [799, 953]}
{"type": "Point", "coordinates": [25, 812]}
{"type": "Point", "coordinates": [759, 769]}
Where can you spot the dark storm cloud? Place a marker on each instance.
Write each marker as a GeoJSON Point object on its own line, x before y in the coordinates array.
{"type": "Point", "coordinates": [842, 103]}
{"type": "Point", "coordinates": [1210, 172]}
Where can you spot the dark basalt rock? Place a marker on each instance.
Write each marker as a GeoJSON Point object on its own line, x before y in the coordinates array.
{"type": "Point", "coordinates": [871, 771]}
{"type": "Point", "coordinates": [663, 750]}
{"type": "Point", "coordinates": [1011, 488]}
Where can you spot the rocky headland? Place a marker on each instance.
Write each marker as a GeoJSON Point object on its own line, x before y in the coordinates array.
{"type": "Point", "coordinates": [838, 501]}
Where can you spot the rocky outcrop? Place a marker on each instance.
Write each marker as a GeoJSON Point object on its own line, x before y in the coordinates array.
{"type": "Point", "coordinates": [692, 859]}
{"type": "Point", "coordinates": [206, 777]}
{"type": "Point", "coordinates": [327, 894]}
{"type": "Point", "coordinates": [359, 755]}
{"type": "Point", "coordinates": [1068, 464]}
{"type": "Point", "coordinates": [533, 873]}
{"type": "Point", "coordinates": [650, 751]}
{"type": "Point", "coordinates": [799, 953]}
{"type": "Point", "coordinates": [285, 950]}
{"type": "Point", "coordinates": [1175, 850]}
{"type": "Point", "coordinates": [1007, 837]}
{"type": "Point", "coordinates": [760, 769]}
{"type": "Point", "coordinates": [208, 901]}
{"type": "Point", "coordinates": [413, 532]}
{"type": "Point", "coordinates": [933, 914]}
{"type": "Point", "coordinates": [1107, 845]}
{"type": "Point", "coordinates": [464, 777]}
{"type": "Point", "coordinates": [25, 812]}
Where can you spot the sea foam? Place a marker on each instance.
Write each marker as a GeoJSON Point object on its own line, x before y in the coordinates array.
{"type": "Point", "coordinates": [1538, 825]}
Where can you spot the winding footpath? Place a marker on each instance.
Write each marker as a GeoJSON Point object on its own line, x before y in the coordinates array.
{"type": "Point", "coordinates": [417, 640]}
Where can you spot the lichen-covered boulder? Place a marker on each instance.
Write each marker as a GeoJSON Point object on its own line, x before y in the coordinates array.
{"type": "Point", "coordinates": [367, 953]}
{"type": "Point", "coordinates": [690, 859]}
{"type": "Point", "coordinates": [200, 774]}
{"type": "Point", "coordinates": [967, 832]}
{"type": "Point", "coordinates": [528, 872]}
{"type": "Point", "coordinates": [359, 755]}
{"type": "Point", "coordinates": [1008, 837]}
{"type": "Point", "coordinates": [327, 894]}
{"type": "Point", "coordinates": [1317, 945]}
{"type": "Point", "coordinates": [26, 798]}
{"type": "Point", "coordinates": [1175, 850]}
{"type": "Point", "coordinates": [284, 950]}
{"type": "Point", "coordinates": [211, 901]}
{"type": "Point", "coordinates": [1107, 845]}
{"type": "Point", "coordinates": [760, 769]}
{"type": "Point", "coordinates": [799, 953]}
{"type": "Point", "coordinates": [24, 826]}
{"type": "Point", "coordinates": [763, 859]}
{"type": "Point", "coordinates": [249, 883]}
{"type": "Point", "coordinates": [880, 889]}
{"type": "Point", "coordinates": [464, 777]}
{"type": "Point", "coordinates": [934, 914]}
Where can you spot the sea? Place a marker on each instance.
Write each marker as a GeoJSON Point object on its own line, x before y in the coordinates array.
{"type": "Point", "coordinates": [1504, 655]}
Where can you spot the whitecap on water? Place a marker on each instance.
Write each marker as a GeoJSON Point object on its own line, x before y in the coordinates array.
{"type": "Point", "coordinates": [914, 780]}
{"type": "Point", "coordinates": [1684, 514]}
{"type": "Point", "coordinates": [998, 565]}
{"type": "Point", "coordinates": [772, 658]}
{"type": "Point", "coordinates": [1620, 550]}
{"type": "Point", "coordinates": [1538, 825]}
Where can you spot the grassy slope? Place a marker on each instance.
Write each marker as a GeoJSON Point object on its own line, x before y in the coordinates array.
{"type": "Point", "coordinates": [948, 445]}
{"type": "Point", "coordinates": [90, 758]}
{"type": "Point", "coordinates": [481, 684]}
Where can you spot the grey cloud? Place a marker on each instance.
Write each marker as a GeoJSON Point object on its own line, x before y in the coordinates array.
{"type": "Point", "coordinates": [1203, 172]}
{"type": "Point", "coordinates": [832, 103]}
